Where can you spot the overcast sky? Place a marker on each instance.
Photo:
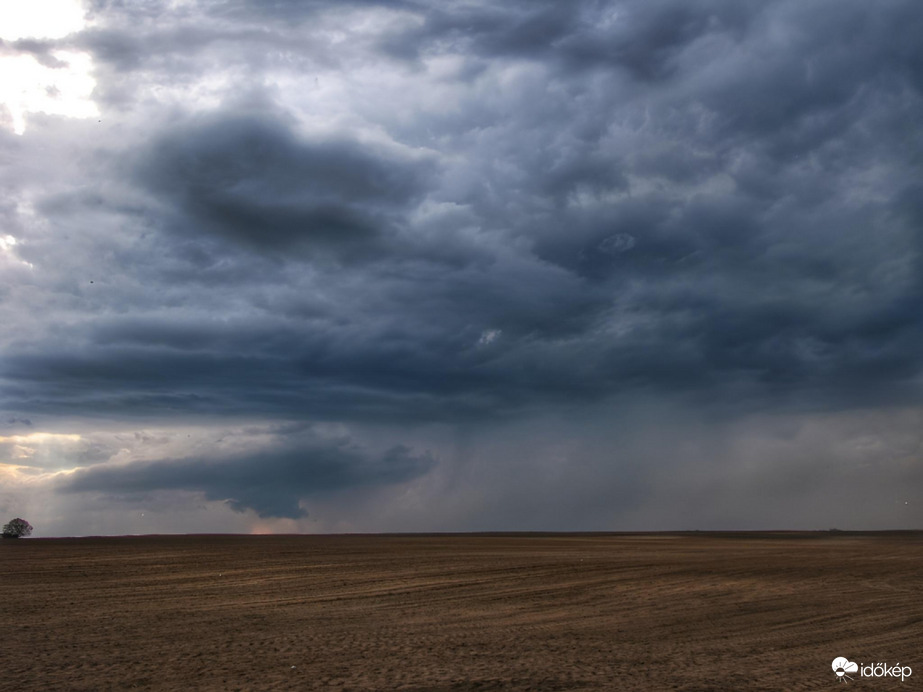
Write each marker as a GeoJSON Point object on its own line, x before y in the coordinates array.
{"type": "Point", "coordinates": [438, 266]}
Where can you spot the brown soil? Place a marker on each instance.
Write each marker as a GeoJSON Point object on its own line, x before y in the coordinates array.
{"type": "Point", "coordinates": [693, 611]}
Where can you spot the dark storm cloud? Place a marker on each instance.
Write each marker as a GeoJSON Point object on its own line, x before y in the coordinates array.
{"type": "Point", "coordinates": [643, 39]}
{"type": "Point", "coordinates": [620, 264]}
{"type": "Point", "coordinates": [271, 481]}
{"type": "Point", "coordinates": [251, 180]}
{"type": "Point", "coordinates": [511, 207]}
{"type": "Point", "coordinates": [319, 368]}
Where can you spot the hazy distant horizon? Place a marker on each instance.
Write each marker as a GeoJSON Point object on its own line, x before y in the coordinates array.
{"type": "Point", "coordinates": [781, 534]}
{"type": "Point", "coordinates": [352, 267]}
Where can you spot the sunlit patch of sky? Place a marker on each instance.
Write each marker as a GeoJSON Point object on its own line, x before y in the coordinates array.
{"type": "Point", "coordinates": [27, 86]}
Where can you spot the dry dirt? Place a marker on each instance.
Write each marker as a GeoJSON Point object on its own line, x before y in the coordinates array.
{"type": "Point", "coordinates": [696, 611]}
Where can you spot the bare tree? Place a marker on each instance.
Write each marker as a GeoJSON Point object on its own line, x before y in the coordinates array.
{"type": "Point", "coordinates": [17, 528]}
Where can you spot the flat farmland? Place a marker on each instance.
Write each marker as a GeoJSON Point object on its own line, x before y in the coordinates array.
{"type": "Point", "coordinates": [687, 611]}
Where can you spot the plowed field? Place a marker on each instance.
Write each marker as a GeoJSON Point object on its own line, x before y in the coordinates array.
{"type": "Point", "coordinates": [695, 611]}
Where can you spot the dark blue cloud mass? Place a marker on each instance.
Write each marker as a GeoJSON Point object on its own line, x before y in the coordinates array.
{"type": "Point", "coordinates": [272, 482]}
{"type": "Point", "coordinates": [386, 215]}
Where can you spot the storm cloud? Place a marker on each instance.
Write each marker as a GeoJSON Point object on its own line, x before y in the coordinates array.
{"type": "Point", "coordinates": [249, 180]}
{"type": "Point", "coordinates": [436, 224]}
{"type": "Point", "coordinates": [271, 483]}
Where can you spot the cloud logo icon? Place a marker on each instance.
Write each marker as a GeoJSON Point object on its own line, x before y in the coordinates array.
{"type": "Point", "coordinates": [842, 665]}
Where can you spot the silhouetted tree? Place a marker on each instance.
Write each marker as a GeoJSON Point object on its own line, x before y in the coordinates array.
{"type": "Point", "coordinates": [17, 528]}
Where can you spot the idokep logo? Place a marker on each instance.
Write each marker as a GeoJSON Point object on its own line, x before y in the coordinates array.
{"type": "Point", "coordinates": [842, 666]}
